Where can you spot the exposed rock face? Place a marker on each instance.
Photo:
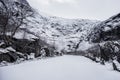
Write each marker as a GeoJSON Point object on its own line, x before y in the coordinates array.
{"type": "Point", "coordinates": [107, 30]}
{"type": "Point", "coordinates": [107, 36]}
{"type": "Point", "coordinates": [7, 57]}
{"type": "Point", "coordinates": [13, 16]}
{"type": "Point", "coordinates": [22, 48]}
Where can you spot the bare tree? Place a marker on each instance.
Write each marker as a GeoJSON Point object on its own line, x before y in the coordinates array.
{"type": "Point", "coordinates": [4, 14]}
{"type": "Point", "coordinates": [13, 15]}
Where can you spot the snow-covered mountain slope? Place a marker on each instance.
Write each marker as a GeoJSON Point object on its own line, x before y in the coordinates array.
{"type": "Point", "coordinates": [62, 32]}
{"type": "Point", "coordinates": [28, 31]}
{"type": "Point", "coordinates": [58, 31]}
{"type": "Point", "coordinates": [107, 30]}
{"type": "Point", "coordinates": [106, 37]}
{"type": "Point", "coordinates": [46, 35]}
{"type": "Point", "coordinates": [60, 68]}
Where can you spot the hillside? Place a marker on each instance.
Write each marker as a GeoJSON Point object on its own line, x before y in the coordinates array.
{"type": "Point", "coordinates": [26, 34]}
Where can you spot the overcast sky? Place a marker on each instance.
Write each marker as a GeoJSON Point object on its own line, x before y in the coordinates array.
{"type": "Point", "coordinates": [86, 9]}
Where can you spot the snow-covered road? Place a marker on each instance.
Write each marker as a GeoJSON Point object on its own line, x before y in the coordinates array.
{"type": "Point", "coordinates": [59, 68]}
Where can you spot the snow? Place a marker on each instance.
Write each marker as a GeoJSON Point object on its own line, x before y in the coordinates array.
{"type": "Point", "coordinates": [84, 46]}
{"type": "Point", "coordinates": [24, 35]}
{"type": "Point", "coordinates": [67, 30]}
{"type": "Point", "coordinates": [1, 43]}
{"type": "Point", "coordinates": [107, 29]}
{"type": "Point", "coordinates": [6, 50]}
{"type": "Point", "coordinates": [3, 50]}
{"type": "Point", "coordinates": [10, 49]}
{"type": "Point", "coordinates": [59, 68]}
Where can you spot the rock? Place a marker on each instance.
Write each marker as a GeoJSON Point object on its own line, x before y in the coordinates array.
{"type": "Point", "coordinates": [8, 57]}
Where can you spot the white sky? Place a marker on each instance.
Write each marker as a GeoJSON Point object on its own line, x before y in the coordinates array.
{"type": "Point", "coordinates": [86, 9]}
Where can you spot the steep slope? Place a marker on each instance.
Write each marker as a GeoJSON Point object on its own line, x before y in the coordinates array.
{"type": "Point", "coordinates": [105, 38]}
{"type": "Point", "coordinates": [28, 31]}
{"type": "Point", "coordinates": [16, 40]}
{"type": "Point", "coordinates": [107, 30]}
{"type": "Point", "coordinates": [60, 32]}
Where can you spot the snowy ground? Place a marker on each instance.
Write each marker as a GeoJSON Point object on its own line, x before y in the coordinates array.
{"type": "Point", "coordinates": [59, 68]}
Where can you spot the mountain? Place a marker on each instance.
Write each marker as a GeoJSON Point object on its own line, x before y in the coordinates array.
{"type": "Point", "coordinates": [107, 30]}
{"type": "Point", "coordinates": [60, 32]}
{"type": "Point", "coordinates": [106, 39]}
{"type": "Point", "coordinates": [26, 33]}
{"type": "Point", "coordinates": [16, 40]}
